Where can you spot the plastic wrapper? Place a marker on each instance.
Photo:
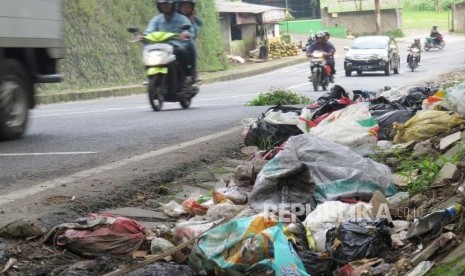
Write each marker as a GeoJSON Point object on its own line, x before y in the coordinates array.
{"type": "Point", "coordinates": [358, 239]}
{"type": "Point", "coordinates": [425, 124]}
{"type": "Point", "coordinates": [317, 263]}
{"type": "Point", "coordinates": [173, 209]}
{"type": "Point", "coordinates": [230, 194]}
{"type": "Point", "coordinates": [192, 207]}
{"type": "Point", "coordinates": [223, 210]}
{"type": "Point", "coordinates": [186, 230]}
{"type": "Point", "coordinates": [246, 245]}
{"type": "Point", "coordinates": [99, 234]}
{"type": "Point", "coordinates": [159, 246]}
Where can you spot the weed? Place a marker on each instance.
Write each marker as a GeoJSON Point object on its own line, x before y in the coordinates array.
{"type": "Point", "coordinates": [279, 96]}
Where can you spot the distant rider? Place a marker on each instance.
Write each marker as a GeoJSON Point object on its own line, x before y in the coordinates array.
{"type": "Point", "coordinates": [416, 44]}
{"type": "Point", "coordinates": [433, 35]}
{"type": "Point", "coordinates": [187, 8]}
{"type": "Point", "coordinates": [323, 46]}
{"type": "Point", "coordinates": [170, 21]}
{"type": "Point", "coordinates": [332, 63]}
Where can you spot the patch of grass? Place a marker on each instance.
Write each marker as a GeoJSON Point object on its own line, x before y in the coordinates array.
{"type": "Point", "coordinates": [279, 96]}
{"type": "Point", "coordinates": [424, 20]}
{"type": "Point", "coordinates": [449, 269]}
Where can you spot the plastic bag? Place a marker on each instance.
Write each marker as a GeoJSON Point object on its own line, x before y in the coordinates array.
{"type": "Point", "coordinates": [352, 126]}
{"type": "Point", "coordinates": [386, 121]}
{"type": "Point", "coordinates": [455, 99]}
{"type": "Point", "coordinates": [192, 207]}
{"type": "Point", "coordinates": [317, 263]}
{"type": "Point", "coordinates": [246, 245]}
{"type": "Point", "coordinates": [358, 239]}
{"type": "Point", "coordinates": [229, 194]}
{"type": "Point", "coordinates": [173, 209]}
{"type": "Point", "coordinates": [433, 102]}
{"type": "Point", "coordinates": [307, 160]}
{"type": "Point", "coordinates": [99, 234]}
{"type": "Point", "coordinates": [328, 215]}
{"type": "Point", "coordinates": [425, 124]}
{"type": "Point", "coordinates": [186, 230]}
{"type": "Point", "coordinates": [273, 134]}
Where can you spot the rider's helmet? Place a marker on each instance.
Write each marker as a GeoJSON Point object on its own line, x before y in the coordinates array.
{"type": "Point", "coordinates": [180, 2]}
{"type": "Point", "coordinates": [416, 41]}
{"type": "Point", "coordinates": [327, 33]}
{"type": "Point", "coordinates": [158, 2]}
{"type": "Point", "coordinates": [435, 27]}
{"type": "Point", "coordinates": [320, 35]}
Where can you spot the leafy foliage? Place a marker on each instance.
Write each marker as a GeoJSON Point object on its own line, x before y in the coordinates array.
{"type": "Point", "coordinates": [99, 53]}
{"type": "Point", "coordinates": [279, 96]}
{"type": "Point", "coordinates": [394, 33]}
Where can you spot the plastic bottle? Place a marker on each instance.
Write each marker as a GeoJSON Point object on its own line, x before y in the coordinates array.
{"type": "Point", "coordinates": [432, 223]}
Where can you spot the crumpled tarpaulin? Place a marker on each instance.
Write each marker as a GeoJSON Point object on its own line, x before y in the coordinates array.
{"type": "Point", "coordinates": [337, 171]}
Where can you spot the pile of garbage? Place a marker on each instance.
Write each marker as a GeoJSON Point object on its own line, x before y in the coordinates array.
{"type": "Point", "coordinates": [316, 202]}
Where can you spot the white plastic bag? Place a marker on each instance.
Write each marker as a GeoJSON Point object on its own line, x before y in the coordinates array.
{"type": "Point", "coordinates": [352, 126]}
{"type": "Point", "coordinates": [455, 99]}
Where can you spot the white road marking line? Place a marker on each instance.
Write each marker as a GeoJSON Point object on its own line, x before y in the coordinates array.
{"type": "Point", "coordinates": [47, 153]}
{"type": "Point", "coordinates": [23, 193]}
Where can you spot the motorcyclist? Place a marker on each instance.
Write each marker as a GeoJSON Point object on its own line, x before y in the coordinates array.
{"type": "Point", "coordinates": [433, 35]}
{"type": "Point", "coordinates": [416, 44]}
{"type": "Point", "coordinates": [170, 21]}
{"type": "Point", "coordinates": [187, 8]}
{"type": "Point", "coordinates": [322, 45]}
{"type": "Point", "coordinates": [332, 63]}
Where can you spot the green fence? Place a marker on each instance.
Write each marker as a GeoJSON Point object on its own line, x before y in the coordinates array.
{"type": "Point", "coordinates": [308, 26]}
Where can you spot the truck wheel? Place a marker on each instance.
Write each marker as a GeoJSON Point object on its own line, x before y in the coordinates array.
{"type": "Point", "coordinates": [15, 87]}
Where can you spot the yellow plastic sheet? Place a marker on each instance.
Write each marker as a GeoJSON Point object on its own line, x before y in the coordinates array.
{"type": "Point", "coordinates": [425, 124]}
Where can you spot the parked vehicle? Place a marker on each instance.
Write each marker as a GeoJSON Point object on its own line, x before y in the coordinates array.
{"type": "Point", "coordinates": [31, 43]}
{"type": "Point", "coordinates": [372, 53]}
{"type": "Point", "coordinates": [414, 58]}
{"type": "Point", "coordinates": [166, 77]}
{"type": "Point", "coordinates": [320, 70]}
{"type": "Point", "coordinates": [435, 43]}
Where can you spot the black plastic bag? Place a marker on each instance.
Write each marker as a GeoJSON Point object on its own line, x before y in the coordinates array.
{"type": "Point", "coordinates": [272, 135]}
{"type": "Point", "coordinates": [386, 118]}
{"type": "Point", "coordinates": [359, 239]}
{"type": "Point", "coordinates": [316, 263]}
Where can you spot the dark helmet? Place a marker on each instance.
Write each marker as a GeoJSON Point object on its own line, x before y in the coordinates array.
{"type": "Point", "coordinates": [416, 40]}
{"type": "Point", "coordinates": [327, 32]}
{"type": "Point", "coordinates": [435, 27]}
{"type": "Point", "coordinates": [179, 2]}
{"type": "Point", "coordinates": [158, 2]}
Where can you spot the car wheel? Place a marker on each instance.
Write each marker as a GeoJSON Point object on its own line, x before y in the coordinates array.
{"type": "Point", "coordinates": [359, 72]}
{"type": "Point", "coordinates": [387, 70]}
{"type": "Point", "coordinates": [348, 73]}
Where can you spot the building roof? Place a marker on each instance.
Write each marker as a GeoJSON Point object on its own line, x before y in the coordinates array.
{"type": "Point", "coordinates": [241, 7]}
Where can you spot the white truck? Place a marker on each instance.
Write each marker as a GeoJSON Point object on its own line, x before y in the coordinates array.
{"type": "Point", "coordinates": [31, 43]}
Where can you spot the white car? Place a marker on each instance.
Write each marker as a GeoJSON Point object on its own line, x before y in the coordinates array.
{"type": "Point", "coordinates": [372, 53]}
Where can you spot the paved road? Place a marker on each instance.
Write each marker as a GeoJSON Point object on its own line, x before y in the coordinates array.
{"type": "Point", "coordinates": [66, 139]}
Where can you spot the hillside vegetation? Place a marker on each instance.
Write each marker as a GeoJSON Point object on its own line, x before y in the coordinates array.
{"type": "Point", "coordinates": [99, 53]}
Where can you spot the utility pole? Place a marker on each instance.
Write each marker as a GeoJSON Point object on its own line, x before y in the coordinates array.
{"type": "Point", "coordinates": [378, 17]}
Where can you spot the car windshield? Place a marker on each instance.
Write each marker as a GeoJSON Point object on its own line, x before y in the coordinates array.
{"type": "Point", "coordinates": [370, 43]}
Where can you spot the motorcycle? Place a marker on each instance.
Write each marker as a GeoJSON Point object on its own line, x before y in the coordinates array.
{"type": "Point", "coordinates": [434, 43]}
{"type": "Point", "coordinates": [414, 58]}
{"type": "Point", "coordinates": [320, 70]}
{"type": "Point", "coordinates": [166, 76]}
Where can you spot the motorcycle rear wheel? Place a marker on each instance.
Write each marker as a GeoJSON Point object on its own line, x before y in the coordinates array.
{"type": "Point", "coordinates": [156, 91]}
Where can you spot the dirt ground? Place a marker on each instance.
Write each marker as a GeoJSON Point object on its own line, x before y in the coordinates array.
{"type": "Point", "coordinates": [33, 257]}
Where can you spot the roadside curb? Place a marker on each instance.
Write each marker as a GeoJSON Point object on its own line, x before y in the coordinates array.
{"type": "Point", "coordinates": [140, 89]}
